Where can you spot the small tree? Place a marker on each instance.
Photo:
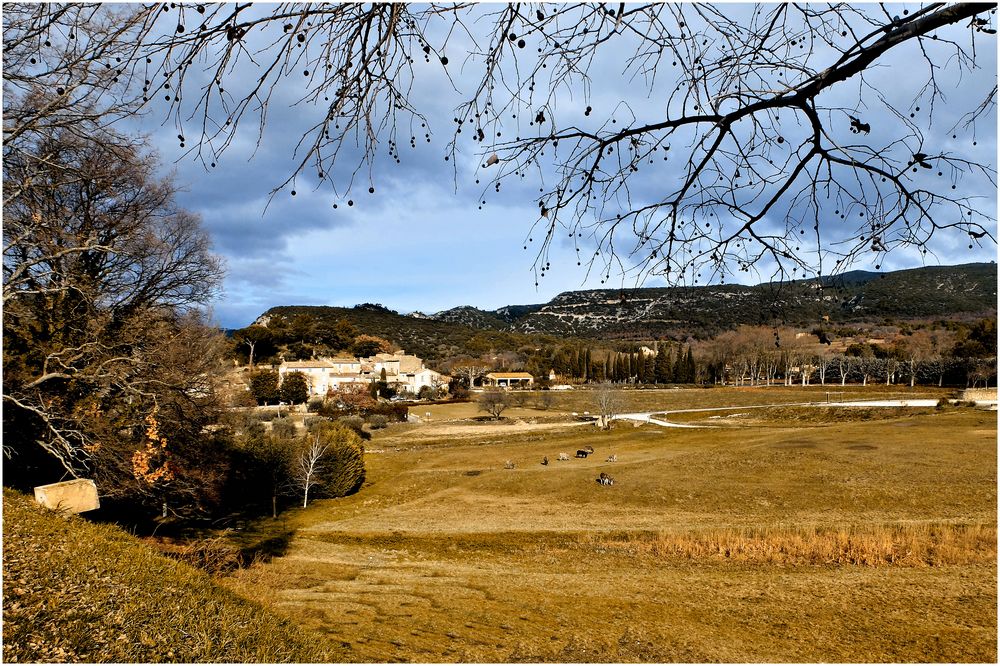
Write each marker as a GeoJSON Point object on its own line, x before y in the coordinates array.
{"type": "Point", "coordinates": [329, 461]}
{"type": "Point", "coordinates": [294, 388]}
{"type": "Point", "coordinates": [306, 466]}
{"type": "Point", "coordinates": [256, 340]}
{"type": "Point", "coordinates": [264, 387]}
{"type": "Point", "coordinates": [271, 458]}
{"type": "Point", "coordinates": [544, 400]}
{"type": "Point", "coordinates": [609, 404]}
{"type": "Point", "coordinates": [355, 397]}
{"type": "Point", "coordinates": [494, 403]}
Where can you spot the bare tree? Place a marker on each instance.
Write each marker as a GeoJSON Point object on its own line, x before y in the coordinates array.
{"type": "Point", "coordinates": [471, 369]}
{"type": "Point", "coordinates": [494, 402]}
{"type": "Point", "coordinates": [330, 461]}
{"type": "Point", "coordinates": [788, 157]}
{"type": "Point", "coordinates": [609, 402]}
{"type": "Point", "coordinates": [307, 467]}
{"type": "Point", "coordinates": [102, 274]}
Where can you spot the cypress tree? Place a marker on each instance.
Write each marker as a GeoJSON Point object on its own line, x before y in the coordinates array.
{"type": "Point", "coordinates": [679, 365]}
{"type": "Point", "coordinates": [690, 369]}
{"type": "Point", "coordinates": [650, 376]}
{"type": "Point", "coordinates": [662, 370]}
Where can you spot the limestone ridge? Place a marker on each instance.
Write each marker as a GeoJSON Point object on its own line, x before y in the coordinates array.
{"type": "Point", "coordinates": [935, 292]}
{"type": "Point", "coordinates": [856, 295]}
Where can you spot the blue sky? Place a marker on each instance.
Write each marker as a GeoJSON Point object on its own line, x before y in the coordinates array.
{"type": "Point", "coordinates": [421, 241]}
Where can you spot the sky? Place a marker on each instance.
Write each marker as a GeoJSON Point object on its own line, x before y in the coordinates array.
{"type": "Point", "coordinates": [424, 241]}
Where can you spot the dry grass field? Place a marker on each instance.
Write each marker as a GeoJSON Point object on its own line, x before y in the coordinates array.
{"type": "Point", "coordinates": [791, 535]}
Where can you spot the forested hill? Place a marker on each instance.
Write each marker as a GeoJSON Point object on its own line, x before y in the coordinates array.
{"type": "Point", "coordinates": [939, 291]}
{"type": "Point", "coordinates": [639, 314]}
{"type": "Point", "coordinates": [424, 336]}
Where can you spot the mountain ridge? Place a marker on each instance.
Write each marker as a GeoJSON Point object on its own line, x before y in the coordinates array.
{"type": "Point", "coordinates": [965, 288]}
{"type": "Point", "coordinates": [646, 313]}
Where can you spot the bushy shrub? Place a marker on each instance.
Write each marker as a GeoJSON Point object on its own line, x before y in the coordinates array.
{"type": "Point", "coordinates": [314, 404]}
{"type": "Point", "coordinates": [355, 423]}
{"type": "Point", "coordinates": [393, 412]}
{"type": "Point", "coordinates": [310, 422]}
{"type": "Point", "coordinates": [342, 465]}
{"type": "Point", "coordinates": [267, 415]}
{"type": "Point", "coordinates": [331, 411]}
{"type": "Point", "coordinates": [283, 428]}
{"type": "Point", "coordinates": [377, 422]}
{"type": "Point", "coordinates": [428, 393]}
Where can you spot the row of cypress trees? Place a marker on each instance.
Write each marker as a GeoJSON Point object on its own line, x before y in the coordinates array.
{"type": "Point", "coordinates": [672, 364]}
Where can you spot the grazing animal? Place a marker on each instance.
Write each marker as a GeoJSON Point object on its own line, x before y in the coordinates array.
{"type": "Point", "coordinates": [605, 480]}
{"type": "Point", "coordinates": [582, 453]}
{"type": "Point", "coordinates": [508, 465]}
{"type": "Point", "coordinates": [563, 456]}
{"type": "Point", "coordinates": [545, 460]}
{"type": "Point", "coordinates": [613, 458]}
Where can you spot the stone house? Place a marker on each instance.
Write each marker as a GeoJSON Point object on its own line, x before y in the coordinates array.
{"type": "Point", "coordinates": [509, 379]}
{"type": "Point", "coordinates": [404, 372]}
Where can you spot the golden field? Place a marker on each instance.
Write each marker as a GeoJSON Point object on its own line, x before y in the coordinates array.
{"type": "Point", "coordinates": [786, 534]}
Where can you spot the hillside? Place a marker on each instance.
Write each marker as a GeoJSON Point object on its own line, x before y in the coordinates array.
{"type": "Point", "coordinates": [938, 291]}
{"type": "Point", "coordinates": [427, 337]}
{"type": "Point", "coordinates": [74, 591]}
{"type": "Point", "coordinates": [468, 315]}
{"type": "Point", "coordinates": [678, 312]}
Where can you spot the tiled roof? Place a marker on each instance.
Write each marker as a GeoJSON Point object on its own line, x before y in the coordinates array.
{"type": "Point", "coordinates": [510, 375]}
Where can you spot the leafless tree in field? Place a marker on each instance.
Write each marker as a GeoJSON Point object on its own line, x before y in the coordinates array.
{"type": "Point", "coordinates": [783, 153]}
{"type": "Point", "coordinates": [494, 402]}
{"type": "Point", "coordinates": [609, 402]}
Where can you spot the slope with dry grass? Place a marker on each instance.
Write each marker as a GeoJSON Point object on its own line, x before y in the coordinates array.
{"type": "Point", "coordinates": [78, 592]}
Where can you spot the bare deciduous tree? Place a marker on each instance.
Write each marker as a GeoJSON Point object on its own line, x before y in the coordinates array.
{"type": "Point", "coordinates": [609, 402]}
{"type": "Point", "coordinates": [471, 369]}
{"type": "Point", "coordinates": [308, 465]}
{"type": "Point", "coordinates": [783, 153]}
{"type": "Point", "coordinates": [494, 402]}
{"type": "Point", "coordinates": [103, 274]}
